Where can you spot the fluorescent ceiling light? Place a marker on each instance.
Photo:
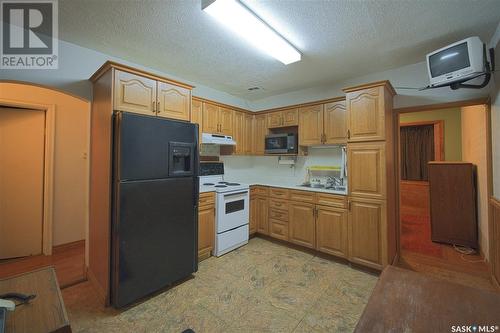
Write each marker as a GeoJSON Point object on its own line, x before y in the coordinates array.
{"type": "Point", "coordinates": [245, 23]}
{"type": "Point", "coordinates": [449, 55]}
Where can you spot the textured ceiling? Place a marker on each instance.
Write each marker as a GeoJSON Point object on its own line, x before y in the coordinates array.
{"type": "Point", "coordinates": [339, 39]}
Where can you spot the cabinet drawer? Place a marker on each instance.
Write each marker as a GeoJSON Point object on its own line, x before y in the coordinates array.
{"type": "Point", "coordinates": [259, 190]}
{"type": "Point", "coordinates": [206, 199]}
{"type": "Point", "coordinates": [302, 196]}
{"type": "Point", "coordinates": [331, 200]}
{"type": "Point", "coordinates": [278, 229]}
{"type": "Point", "coordinates": [278, 193]}
{"type": "Point", "coordinates": [278, 204]}
{"type": "Point", "coordinates": [278, 214]}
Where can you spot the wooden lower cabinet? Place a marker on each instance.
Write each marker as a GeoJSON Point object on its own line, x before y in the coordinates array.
{"type": "Point", "coordinates": [366, 230]}
{"type": "Point", "coordinates": [278, 229]}
{"type": "Point", "coordinates": [206, 225]}
{"type": "Point", "coordinates": [262, 220]}
{"type": "Point", "coordinates": [302, 227]}
{"type": "Point", "coordinates": [252, 225]}
{"type": "Point", "coordinates": [331, 231]}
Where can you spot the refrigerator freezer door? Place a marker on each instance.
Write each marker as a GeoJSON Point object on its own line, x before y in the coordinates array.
{"type": "Point", "coordinates": [154, 237]}
{"type": "Point", "coordinates": [143, 142]}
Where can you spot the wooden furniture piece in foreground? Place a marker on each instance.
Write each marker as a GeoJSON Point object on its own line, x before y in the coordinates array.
{"type": "Point", "coordinates": [406, 301]}
{"type": "Point", "coordinates": [45, 313]}
{"type": "Point", "coordinates": [453, 203]}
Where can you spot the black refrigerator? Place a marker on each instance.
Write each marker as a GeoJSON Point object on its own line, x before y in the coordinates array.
{"type": "Point", "coordinates": [155, 205]}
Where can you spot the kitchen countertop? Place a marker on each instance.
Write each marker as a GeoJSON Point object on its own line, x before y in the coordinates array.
{"type": "Point", "coordinates": [205, 189]}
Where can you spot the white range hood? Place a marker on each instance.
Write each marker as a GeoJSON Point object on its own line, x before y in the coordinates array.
{"type": "Point", "coordinates": [217, 139]}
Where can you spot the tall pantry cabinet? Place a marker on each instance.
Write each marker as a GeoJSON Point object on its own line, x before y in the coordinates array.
{"type": "Point", "coordinates": [371, 174]}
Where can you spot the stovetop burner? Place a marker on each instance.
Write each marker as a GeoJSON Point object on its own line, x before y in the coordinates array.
{"type": "Point", "coordinates": [223, 183]}
{"type": "Point", "coordinates": [233, 184]}
{"type": "Point", "coordinates": [220, 186]}
{"type": "Point", "coordinates": [208, 184]}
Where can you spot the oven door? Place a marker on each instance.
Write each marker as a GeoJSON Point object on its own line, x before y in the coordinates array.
{"type": "Point", "coordinates": [232, 210]}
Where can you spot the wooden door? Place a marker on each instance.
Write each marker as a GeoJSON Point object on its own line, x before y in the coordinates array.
{"type": "Point", "coordinates": [252, 227]}
{"type": "Point", "coordinates": [226, 121]}
{"type": "Point", "coordinates": [366, 227]}
{"type": "Point", "coordinates": [262, 217]}
{"type": "Point", "coordinates": [196, 116]}
{"type": "Point", "coordinates": [335, 123]}
{"type": "Point", "coordinates": [311, 125]}
{"type": "Point", "coordinates": [206, 231]}
{"type": "Point", "coordinates": [301, 224]}
{"type": "Point", "coordinates": [260, 134]}
{"type": "Point", "coordinates": [274, 119]}
{"type": "Point", "coordinates": [290, 117]}
{"type": "Point", "coordinates": [210, 119]}
{"type": "Point", "coordinates": [248, 134]}
{"type": "Point", "coordinates": [134, 93]}
{"type": "Point", "coordinates": [239, 132]}
{"type": "Point", "coordinates": [366, 169]}
{"type": "Point", "coordinates": [331, 231]}
{"type": "Point", "coordinates": [365, 115]}
{"type": "Point", "coordinates": [22, 151]}
{"type": "Point", "coordinates": [173, 101]}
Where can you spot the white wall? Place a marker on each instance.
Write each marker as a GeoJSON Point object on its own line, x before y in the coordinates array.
{"type": "Point", "coordinates": [267, 170]}
{"type": "Point", "coordinates": [77, 64]}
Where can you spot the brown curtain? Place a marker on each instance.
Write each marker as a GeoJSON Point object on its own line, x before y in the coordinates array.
{"type": "Point", "coordinates": [417, 148]}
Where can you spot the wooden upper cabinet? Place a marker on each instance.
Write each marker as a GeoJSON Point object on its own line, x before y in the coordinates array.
{"type": "Point", "coordinates": [239, 132]}
{"type": "Point", "coordinates": [260, 133]}
{"type": "Point", "coordinates": [248, 134]}
{"type": "Point", "coordinates": [173, 101]}
{"type": "Point", "coordinates": [301, 228]}
{"type": "Point", "coordinates": [290, 117]}
{"type": "Point", "coordinates": [331, 231]}
{"type": "Point", "coordinates": [196, 115]}
{"type": "Point", "coordinates": [210, 117]}
{"type": "Point", "coordinates": [226, 121]}
{"type": "Point", "coordinates": [274, 119]}
{"type": "Point", "coordinates": [134, 93]}
{"type": "Point", "coordinates": [335, 123]}
{"type": "Point", "coordinates": [367, 172]}
{"type": "Point", "coordinates": [311, 125]}
{"type": "Point", "coordinates": [366, 227]}
{"type": "Point", "coordinates": [366, 110]}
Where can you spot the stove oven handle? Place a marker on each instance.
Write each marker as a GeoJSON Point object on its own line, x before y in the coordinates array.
{"type": "Point", "coordinates": [231, 194]}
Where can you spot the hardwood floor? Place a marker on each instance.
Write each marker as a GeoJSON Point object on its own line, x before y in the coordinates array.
{"type": "Point", "coordinates": [67, 259]}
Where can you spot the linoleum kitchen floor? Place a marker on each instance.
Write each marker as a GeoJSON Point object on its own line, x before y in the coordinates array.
{"type": "Point", "coordinates": [261, 287]}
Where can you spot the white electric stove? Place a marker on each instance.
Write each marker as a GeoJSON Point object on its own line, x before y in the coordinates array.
{"type": "Point", "coordinates": [232, 207]}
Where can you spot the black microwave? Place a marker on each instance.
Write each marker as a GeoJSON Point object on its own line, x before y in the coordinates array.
{"type": "Point", "coordinates": [285, 143]}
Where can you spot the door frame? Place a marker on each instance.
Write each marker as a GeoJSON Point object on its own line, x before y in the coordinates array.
{"type": "Point", "coordinates": [397, 162]}
{"type": "Point", "coordinates": [48, 172]}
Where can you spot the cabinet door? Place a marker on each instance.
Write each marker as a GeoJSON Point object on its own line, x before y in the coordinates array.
{"type": "Point", "coordinates": [239, 132]}
{"type": "Point", "coordinates": [196, 115]}
{"type": "Point", "coordinates": [366, 169]}
{"type": "Point", "coordinates": [274, 119]}
{"type": "Point", "coordinates": [331, 231]}
{"type": "Point", "coordinates": [134, 93]}
{"type": "Point", "coordinates": [335, 123]}
{"type": "Point", "coordinates": [290, 117]}
{"type": "Point", "coordinates": [366, 227]}
{"type": "Point", "coordinates": [210, 119]}
{"type": "Point", "coordinates": [260, 134]}
{"type": "Point", "coordinates": [226, 121]}
{"type": "Point", "coordinates": [310, 125]}
{"type": "Point", "coordinates": [206, 231]}
{"type": "Point", "coordinates": [173, 101]}
{"type": "Point", "coordinates": [262, 217]}
{"type": "Point", "coordinates": [365, 115]}
{"type": "Point", "coordinates": [252, 228]}
{"type": "Point", "coordinates": [301, 225]}
{"type": "Point", "coordinates": [248, 149]}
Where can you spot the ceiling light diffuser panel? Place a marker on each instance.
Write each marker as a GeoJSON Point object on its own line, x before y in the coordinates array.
{"type": "Point", "coordinates": [237, 17]}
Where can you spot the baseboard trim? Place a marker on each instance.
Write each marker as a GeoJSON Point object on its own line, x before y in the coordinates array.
{"type": "Point", "coordinates": [70, 244]}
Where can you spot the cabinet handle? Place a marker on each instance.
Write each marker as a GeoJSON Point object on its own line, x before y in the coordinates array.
{"type": "Point", "coordinates": [158, 106]}
{"type": "Point", "coordinates": [153, 106]}
{"type": "Point", "coordinates": [349, 205]}
{"type": "Point", "coordinates": [348, 134]}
